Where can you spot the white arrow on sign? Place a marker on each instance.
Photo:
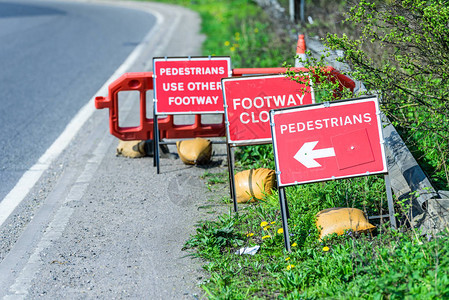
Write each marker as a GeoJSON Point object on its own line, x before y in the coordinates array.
{"type": "Point", "coordinates": [307, 155]}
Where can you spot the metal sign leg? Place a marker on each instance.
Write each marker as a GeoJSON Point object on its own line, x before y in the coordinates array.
{"type": "Point", "coordinates": [287, 210]}
{"type": "Point", "coordinates": [155, 129]}
{"type": "Point", "coordinates": [231, 176]}
{"type": "Point", "coordinates": [283, 203]}
{"type": "Point", "coordinates": [390, 202]}
{"type": "Point", "coordinates": [156, 144]}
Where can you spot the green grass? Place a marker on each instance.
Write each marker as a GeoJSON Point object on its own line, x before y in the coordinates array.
{"type": "Point", "coordinates": [387, 264]}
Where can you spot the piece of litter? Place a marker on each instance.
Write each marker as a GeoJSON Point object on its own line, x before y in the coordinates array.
{"type": "Point", "coordinates": [246, 250]}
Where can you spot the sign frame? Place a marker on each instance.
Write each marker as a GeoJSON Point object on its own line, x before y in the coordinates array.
{"type": "Point", "coordinates": [231, 145]}
{"type": "Point", "coordinates": [326, 105]}
{"type": "Point", "coordinates": [186, 60]}
{"type": "Point", "coordinates": [281, 188]}
{"type": "Point", "coordinates": [226, 59]}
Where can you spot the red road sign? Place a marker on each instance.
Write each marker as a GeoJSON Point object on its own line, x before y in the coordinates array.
{"type": "Point", "coordinates": [189, 85]}
{"type": "Point", "coordinates": [248, 101]}
{"type": "Point", "coordinates": [328, 141]}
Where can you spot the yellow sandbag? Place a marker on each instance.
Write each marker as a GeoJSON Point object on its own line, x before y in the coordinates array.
{"type": "Point", "coordinates": [337, 220]}
{"type": "Point", "coordinates": [196, 151]}
{"type": "Point", "coordinates": [131, 149]}
{"type": "Point", "coordinates": [254, 184]}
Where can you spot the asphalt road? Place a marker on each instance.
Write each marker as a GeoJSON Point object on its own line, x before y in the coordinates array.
{"type": "Point", "coordinates": [54, 56]}
{"type": "Point", "coordinates": [94, 225]}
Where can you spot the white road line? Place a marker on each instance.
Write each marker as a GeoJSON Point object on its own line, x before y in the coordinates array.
{"type": "Point", "coordinates": [32, 175]}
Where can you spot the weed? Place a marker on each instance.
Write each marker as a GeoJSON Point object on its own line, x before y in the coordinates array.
{"type": "Point", "coordinates": [215, 178]}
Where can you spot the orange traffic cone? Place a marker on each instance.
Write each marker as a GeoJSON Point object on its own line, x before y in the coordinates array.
{"type": "Point", "coordinates": [301, 55]}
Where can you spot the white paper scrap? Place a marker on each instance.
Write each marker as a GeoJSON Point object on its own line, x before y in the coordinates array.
{"type": "Point", "coordinates": [246, 250]}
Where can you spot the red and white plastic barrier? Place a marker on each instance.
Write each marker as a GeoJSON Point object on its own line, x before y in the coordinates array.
{"type": "Point", "coordinates": [143, 82]}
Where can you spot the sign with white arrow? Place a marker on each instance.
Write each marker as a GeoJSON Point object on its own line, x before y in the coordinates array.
{"type": "Point", "coordinates": [328, 141]}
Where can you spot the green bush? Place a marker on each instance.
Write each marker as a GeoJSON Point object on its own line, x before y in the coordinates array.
{"type": "Point", "coordinates": [408, 72]}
